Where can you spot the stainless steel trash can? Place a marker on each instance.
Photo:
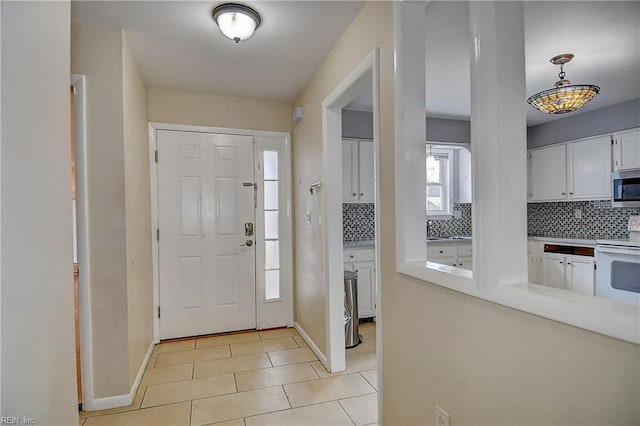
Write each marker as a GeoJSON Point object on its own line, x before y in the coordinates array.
{"type": "Point", "coordinates": [351, 323]}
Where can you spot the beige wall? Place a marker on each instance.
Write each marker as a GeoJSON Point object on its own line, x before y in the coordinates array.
{"type": "Point", "coordinates": [371, 28]}
{"type": "Point", "coordinates": [171, 106]}
{"type": "Point", "coordinates": [138, 212]}
{"type": "Point", "coordinates": [38, 355]}
{"type": "Point", "coordinates": [481, 362]}
{"type": "Point", "coordinates": [97, 53]}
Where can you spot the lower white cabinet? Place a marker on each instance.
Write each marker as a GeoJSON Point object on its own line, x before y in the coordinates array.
{"type": "Point", "coordinates": [451, 254]}
{"type": "Point", "coordinates": [361, 261]}
{"type": "Point", "coordinates": [574, 273]}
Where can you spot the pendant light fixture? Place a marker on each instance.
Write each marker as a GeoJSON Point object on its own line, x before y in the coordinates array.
{"type": "Point", "coordinates": [236, 21]}
{"type": "Point", "coordinates": [564, 97]}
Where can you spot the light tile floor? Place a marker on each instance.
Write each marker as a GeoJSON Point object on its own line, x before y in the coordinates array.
{"type": "Point", "coordinates": [254, 378]}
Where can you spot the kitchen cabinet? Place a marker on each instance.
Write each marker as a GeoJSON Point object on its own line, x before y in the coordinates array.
{"type": "Point", "coordinates": [361, 261]}
{"type": "Point", "coordinates": [451, 254]}
{"type": "Point", "coordinates": [626, 150]}
{"type": "Point", "coordinates": [589, 169]}
{"type": "Point", "coordinates": [548, 173]}
{"type": "Point", "coordinates": [574, 273]}
{"type": "Point", "coordinates": [579, 170]}
{"type": "Point", "coordinates": [534, 249]}
{"type": "Point", "coordinates": [357, 171]}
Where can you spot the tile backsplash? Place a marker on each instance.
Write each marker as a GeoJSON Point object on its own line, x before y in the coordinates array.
{"type": "Point", "coordinates": [358, 222]}
{"type": "Point", "coordinates": [453, 227]}
{"type": "Point", "coordinates": [599, 220]}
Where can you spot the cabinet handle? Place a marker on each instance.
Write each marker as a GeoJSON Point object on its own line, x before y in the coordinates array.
{"type": "Point", "coordinates": [361, 194]}
{"type": "Point", "coordinates": [560, 261]}
{"type": "Point", "coordinates": [356, 271]}
{"type": "Point", "coordinates": [568, 263]}
{"type": "Point", "coordinates": [571, 193]}
{"type": "Point", "coordinates": [564, 193]}
{"type": "Point", "coordinates": [441, 252]}
{"type": "Point", "coordinates": [354, 194]}
{"type": "Point", "coordinates": [350, 256]}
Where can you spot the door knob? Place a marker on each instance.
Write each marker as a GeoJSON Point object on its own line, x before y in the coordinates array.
{"type": "Point", "coordinates": [247, 243]}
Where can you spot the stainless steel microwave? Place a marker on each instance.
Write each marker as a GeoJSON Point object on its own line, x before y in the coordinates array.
{"type": "Point", "coordinates": [626, 189]}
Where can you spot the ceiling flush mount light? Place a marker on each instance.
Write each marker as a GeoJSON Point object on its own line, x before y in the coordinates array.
{"type": "Point", "coordinates": [236, 21]}
{"type": "Point", "coordinates": [564, 97]}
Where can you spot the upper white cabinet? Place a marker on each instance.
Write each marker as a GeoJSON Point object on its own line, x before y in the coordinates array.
{"type": "Point", "coordinates": [579, 170]}
{"type": "Point", "coordinates": [626, 150]}
{"type": "Point", "coordinates": [549, 173]}
{"type": "Point", "coordinates": [589, 168]}
{"type": "Point", "coordinates": [357, 171]}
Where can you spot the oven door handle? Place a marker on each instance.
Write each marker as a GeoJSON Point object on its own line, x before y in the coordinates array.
{"type": "Point", "coordinates": [617, 250]}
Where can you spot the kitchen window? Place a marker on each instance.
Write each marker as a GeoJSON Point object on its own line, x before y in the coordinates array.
{"type": "Point", "coordinates": [439, 181]}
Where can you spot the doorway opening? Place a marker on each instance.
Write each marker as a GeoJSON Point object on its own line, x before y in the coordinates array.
{"type": "Point", "coordinates": [362, 82]}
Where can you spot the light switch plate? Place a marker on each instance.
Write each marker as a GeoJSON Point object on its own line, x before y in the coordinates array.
{"type": "Point", "coordinates": [457, 214]}
{"type": "Point", "coordinates": [634, 223]}
{"type": "Point", "coordinates": [577, 213]}
{"type": "Point", "coordinates": [308, 217]}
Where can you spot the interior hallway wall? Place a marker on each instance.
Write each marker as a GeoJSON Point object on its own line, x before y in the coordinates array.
{"type": "Point", "coordinates": [96, 52]}
{"type": "Point", "coordinates": [173, 106]}
{"type": "Point", "coordinates": [138, 212]}
{"type": "Point", "coordinates": [371, 28]}
{"type": "Point", "coordinates": [38, 350]}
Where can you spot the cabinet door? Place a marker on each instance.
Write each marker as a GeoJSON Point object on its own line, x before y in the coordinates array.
{"type": "Point", "coordinates": [464, 176]}
{"type": "Point", "coordinates": [366, 289]}
{"type": "Point", "coordinates": [553, 271]}
{"type": "Point", "coordinates": [365, 172]}
{"type": "Point", "coordinates": [447, 260]}
{"type": "Point", "coordinates": [589, 169]}
{"type": "Point", "coordinates": [465, 262]}
{"type": "Point", "coordinates": [549, 173]}
{"type": "Point", "coordinates": [534, 252]}
{"type": "Point", "coordinates": [580, 275]}
{"type": "Point", "coordinates": [626, 150]}
{"type": "Point", "coordinates": [349, 170]}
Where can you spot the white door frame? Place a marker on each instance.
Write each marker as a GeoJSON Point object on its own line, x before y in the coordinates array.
{"type": "Point", "coordinates": [363, 76]}
{"type": "Point", "coordinates": [82, 213]}
{"type": "Point", "coordinates": [286, 273]}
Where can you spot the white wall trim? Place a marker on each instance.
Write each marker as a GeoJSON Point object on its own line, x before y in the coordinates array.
{"type": "Point", "coordinates": [126, 399]}
{"type": "Point", "coordinates": [312, 345]}
{"type": "Point", "coordinates": [365, 75]}
{"type": "Point", "coordinates": [82, 214]}
{"type": "Point", "coordinates": [153, 128]}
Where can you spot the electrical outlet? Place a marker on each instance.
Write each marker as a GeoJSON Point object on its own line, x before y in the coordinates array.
{"type": "Point", "coordinates": [442, 417]}
{"type": "Point", "coordinates": [577, 213]}
{"type": "Point", "coordinates": [457, 214]}
{"type": "Point", "coordinates": [308, 217]}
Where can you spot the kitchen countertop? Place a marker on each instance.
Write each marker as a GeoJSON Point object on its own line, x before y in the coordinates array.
{"type": "Point", "coordinates": [363, 244]}
{"type": "Point", "coordinates": [454, 239]}
{"type": "Point", "coordinates": [567, 240]}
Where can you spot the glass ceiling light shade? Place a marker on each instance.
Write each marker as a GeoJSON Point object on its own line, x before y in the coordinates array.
{"type": "Point", "coordinates": [236, 21]}
{"type": "Point", "coordinates": [564, 97]}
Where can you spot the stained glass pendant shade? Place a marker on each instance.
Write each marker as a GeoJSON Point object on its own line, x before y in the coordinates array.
{"type": "Point", "coordinates": [563, 97]}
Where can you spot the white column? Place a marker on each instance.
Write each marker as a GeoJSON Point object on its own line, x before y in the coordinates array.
{"type": "Point", "coordinates": [410, 132]}
{"type": "Point", "coordinates": [498, 138]}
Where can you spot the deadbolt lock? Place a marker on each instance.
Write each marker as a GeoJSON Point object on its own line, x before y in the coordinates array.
{"type": "Point", "coordinates": [248, 229]}
{"type": "Point", "coordinates": [248, 243]}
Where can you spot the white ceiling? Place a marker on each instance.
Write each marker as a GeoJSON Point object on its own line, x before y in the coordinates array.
{"type": "Point", "coordinates": [177, 45]}
{"type": "Point", "coordinates": [603, 36]}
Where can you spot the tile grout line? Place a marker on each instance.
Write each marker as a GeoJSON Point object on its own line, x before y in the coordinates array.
{"type": "Point", "coordinates": [190, 411]}
{"type": "Point", "coordinates": [285, 394]}
{"type": "Point", "coordinates": [345, 411]}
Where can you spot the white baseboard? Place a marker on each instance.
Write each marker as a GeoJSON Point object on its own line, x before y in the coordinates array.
{"type": "Point", "coordinates": [126, 399]}
{"type": "Point", "coordinates": [312, 345]}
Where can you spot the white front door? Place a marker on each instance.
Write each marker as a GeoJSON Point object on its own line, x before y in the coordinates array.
{"type": "Point", "coordinates": [205, 198]}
